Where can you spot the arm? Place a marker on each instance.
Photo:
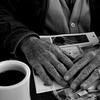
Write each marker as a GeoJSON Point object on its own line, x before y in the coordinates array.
{"type": "Point", "coordinates": [11, 30]}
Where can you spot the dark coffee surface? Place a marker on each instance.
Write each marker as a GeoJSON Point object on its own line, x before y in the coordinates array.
{"type": "Point", "coordinates": [11, 77]}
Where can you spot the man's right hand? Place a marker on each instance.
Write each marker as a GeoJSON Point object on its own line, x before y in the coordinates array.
{"type": "Point", "coordinates": [46, 59]}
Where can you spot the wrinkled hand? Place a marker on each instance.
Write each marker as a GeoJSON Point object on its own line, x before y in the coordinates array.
{"type": "Point", "coordinates": [87, 71]}
{"type": "Point", "coordinates": [46, 58]}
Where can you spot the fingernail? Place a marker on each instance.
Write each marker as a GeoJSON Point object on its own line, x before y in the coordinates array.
{"type": "Point", "coordinates": [66, 78]}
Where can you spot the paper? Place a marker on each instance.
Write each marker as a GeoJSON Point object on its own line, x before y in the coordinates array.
{"type": "Point", "coordinates": [41, 88]}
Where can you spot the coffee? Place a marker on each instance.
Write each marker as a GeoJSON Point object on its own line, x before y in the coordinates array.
{"type": "Point", "coordinates": [11, 77]}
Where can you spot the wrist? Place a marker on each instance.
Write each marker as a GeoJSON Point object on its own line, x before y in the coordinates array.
{"type": "Point", "coordinates": [25, 44]}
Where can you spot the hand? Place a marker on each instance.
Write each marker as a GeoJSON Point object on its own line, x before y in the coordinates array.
{"type": "Point", "coordinates": [46, 59]}
{"type": "Point", "coordinates": [87, 68]}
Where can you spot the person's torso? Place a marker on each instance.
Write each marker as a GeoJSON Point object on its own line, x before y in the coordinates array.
{"type": "Point", "coordinates": [68, 16]}
{"type": "Point", "coordinates": [32, 13]}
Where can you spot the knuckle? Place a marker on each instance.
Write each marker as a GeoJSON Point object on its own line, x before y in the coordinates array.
{"type": "Point", "coordinates": [78, 79]}
{"type": "Point", "coordinates": [92, 54]}
{"type": "Point", "coordinates": [90, 68]}
{"type": "Point", "coordinates": [74, 69]}
{"type": "Point", "coordinates": [77, 65]}
{"type": "Point", "coordinates": [96, 61]}
{"type": "Point", "coordinates": [82, 62]}
{"type": "Point", "coordinates": [85, 73]}
{"type": "Point", "coordinates": [40, 58]}
{"type": "Point", "coordinates": [51, 68]}
{"type": "Point", "coordinates": [81, 76]}
{"type": "Point", "coordinates": [61, 67]}
{"type": "Point", "coordinates": [59, 64]}
{"type": "Point", "coordinates": [45, 53]}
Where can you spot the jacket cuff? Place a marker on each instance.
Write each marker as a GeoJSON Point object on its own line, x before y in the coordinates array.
{"type": "Point", "coordinates": [12, 43]}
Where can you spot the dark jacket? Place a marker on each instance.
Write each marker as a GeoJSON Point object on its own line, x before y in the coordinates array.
{"type": "Point", "coordinates": [22, 18]}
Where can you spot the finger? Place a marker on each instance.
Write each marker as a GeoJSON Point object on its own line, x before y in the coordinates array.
{"type": "Point", "coordinates": [79, 65]}
{"type": "Point", "coordinates": [93, 87]}
{"type": "Point", "coordinates": [94, 77]}
{"type": "Point", "coordinates": [53, 72]}
{"type": "Point", "coordinates": [42, 74]}
{"type": "Point", "coordinates": [58, 65]}
{"type": "Point", "coordinates": [62, 57]}
{"type": "Point", "coordinates": [85, 72]}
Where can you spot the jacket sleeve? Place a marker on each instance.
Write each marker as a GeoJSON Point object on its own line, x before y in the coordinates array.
{"type": "Point", "coordinates": [12, 32]}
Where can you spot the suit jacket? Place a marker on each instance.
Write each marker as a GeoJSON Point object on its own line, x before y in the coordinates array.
{"type": "Point", "coordinates": [22, 18]}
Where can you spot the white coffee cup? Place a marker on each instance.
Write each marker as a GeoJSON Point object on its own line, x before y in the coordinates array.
{"type": "Point", "coordinates": [20, 90]}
